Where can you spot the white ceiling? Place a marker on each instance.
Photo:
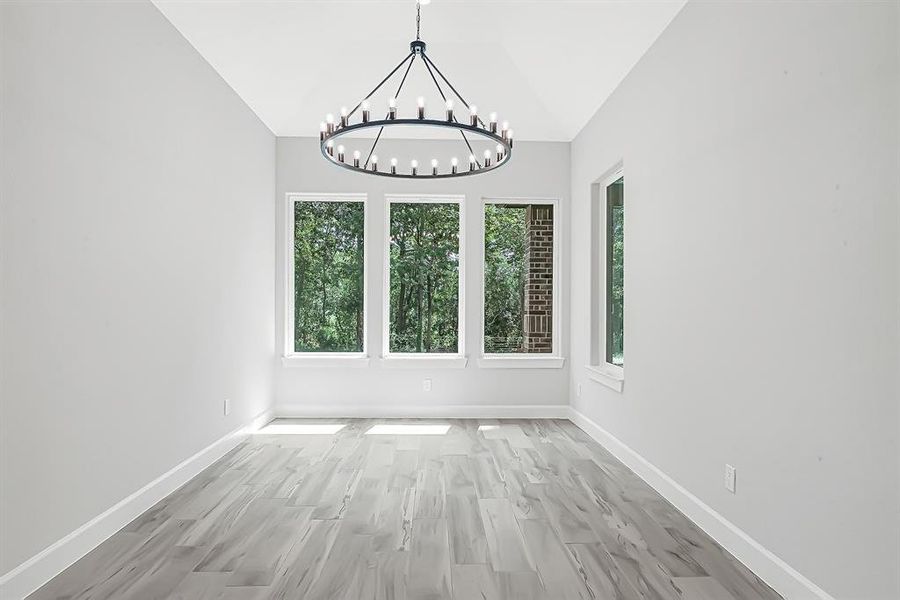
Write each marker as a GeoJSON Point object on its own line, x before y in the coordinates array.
{"type": "Point", "coordinates": [546, 66]}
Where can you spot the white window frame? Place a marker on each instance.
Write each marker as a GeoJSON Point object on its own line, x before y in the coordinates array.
{"type": "Point", "coordinates": [423, 359]}
{"type": "Point", "coordinates": [291, 358]}
{"type": "Point", "coordinates": [553, 359]}
{"type": "Point", "coordinates": [606, 373]}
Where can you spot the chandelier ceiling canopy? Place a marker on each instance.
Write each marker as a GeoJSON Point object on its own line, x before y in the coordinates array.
{"type": "Point", "coordinates": [336, 136]}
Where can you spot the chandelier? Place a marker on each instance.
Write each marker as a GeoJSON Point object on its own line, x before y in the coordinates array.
{"type": "Point", "coordinates": [334, 135]}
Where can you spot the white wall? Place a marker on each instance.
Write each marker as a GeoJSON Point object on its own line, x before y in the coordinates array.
{"type": "Point", "coordinates": [137, 261]}
{"type": "Point", "coordinates": [761, 154]}
{"type": "Point", "coordinates": [536, 170]}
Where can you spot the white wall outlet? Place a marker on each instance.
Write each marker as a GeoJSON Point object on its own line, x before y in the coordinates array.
{"type": "Point", "coordinates": [730, 478]}
{"type": "Point", "coordinates": [578, 391]}
{"type": "Point", "coordinates": [426, 385]}
{"type": "Point", "coordinates": [226, 407]}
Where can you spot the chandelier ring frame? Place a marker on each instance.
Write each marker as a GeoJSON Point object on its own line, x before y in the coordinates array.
{"type": "Point", "coordinates": [463, 169]}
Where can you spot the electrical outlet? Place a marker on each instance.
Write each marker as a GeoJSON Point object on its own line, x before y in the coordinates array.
{"type": "Point", "coordinates": [226, 407]}
{"type": "Point", "coordinates": [426, 385]}
{"type": "Point", "coordinates": [730, 475]}
{"type": "Point", "coordinates": [578, 391]}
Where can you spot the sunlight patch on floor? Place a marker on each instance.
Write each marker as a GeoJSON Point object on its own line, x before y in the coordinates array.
{"type": "Point", "coordinates": [387, 429]}
{"type": "Point", "coordinates": [301, 429]}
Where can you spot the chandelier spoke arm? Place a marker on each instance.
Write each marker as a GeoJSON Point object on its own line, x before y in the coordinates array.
{"type": "Point", "coordinates": [430, 62]}
{"type": "Point", "coordinates": [372, 149]}
{"type": "Point", "coordinates": [397, 93]}
{"type": "Point", "coordinates": [471, 152]}
{"type": "Point", "coordinates": [377, 87]}
{"type": "Point", "coordinates": [441, 92]}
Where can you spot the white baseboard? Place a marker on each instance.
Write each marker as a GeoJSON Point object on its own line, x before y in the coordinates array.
{"type": "Point", "coordinates": [783, 578]}
{"type": "Point", "coordinates": [43, 566]}
{"type": "Point", "coordinates": [449, 411]}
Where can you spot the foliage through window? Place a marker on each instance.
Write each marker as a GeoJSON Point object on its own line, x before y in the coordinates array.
{"type": "Point", "coordinates": [615, 274]}
{"type": "Point", "coordinates": [329, 276]}
{"type": "Point", "coordinates": [424, 277]}
{"type": "Point", "coordinates": [518, 278]}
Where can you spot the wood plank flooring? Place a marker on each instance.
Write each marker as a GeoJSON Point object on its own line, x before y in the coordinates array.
{"type": "Point", "coordinates": [517, 509]}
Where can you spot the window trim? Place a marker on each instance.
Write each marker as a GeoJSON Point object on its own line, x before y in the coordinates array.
{"type": "Point", "coordinates": [291, 358]}
{"type": "Point", "coordinates": [452, 360]}
{"type": "Point", "coordinates": [511, 360]}
{"type": "Point", "coordinates": [606, 373]}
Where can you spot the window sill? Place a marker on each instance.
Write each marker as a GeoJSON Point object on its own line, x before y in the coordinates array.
{"type": "Point", "coordinates": [504, 361]}
{"type": "Point", "coordinates": [323, 360]}
{"type": "Point", "coordinates": [424, 361]}
{"type": "Point", "coordinates": [605, 376]}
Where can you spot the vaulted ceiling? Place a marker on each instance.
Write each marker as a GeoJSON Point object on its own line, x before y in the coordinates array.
{"type": "Point", "coordinates": [546, 66]}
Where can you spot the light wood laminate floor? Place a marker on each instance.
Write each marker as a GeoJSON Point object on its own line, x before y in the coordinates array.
{"type": "Point", "coordinates": [518, 509]}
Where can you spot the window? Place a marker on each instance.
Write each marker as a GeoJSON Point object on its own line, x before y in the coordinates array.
{"type": "Point", "coordinates": [608, 280]}
{"type": "Point", "coordinates": [326, 299]}
{"type": "Point", "coordinates": [424, 276]}
{"type": "Point", "coordinates": [615, 271]}
{"type": "Point", "coordinates": [519, 285]}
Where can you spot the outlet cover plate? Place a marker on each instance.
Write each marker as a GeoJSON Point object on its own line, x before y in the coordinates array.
{"type": "Point", "coordinates": [730, 476]}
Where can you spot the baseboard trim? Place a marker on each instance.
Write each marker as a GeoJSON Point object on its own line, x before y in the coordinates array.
{"type": "Point", "coordinates": [446, 411]}
{"type": "Point", "coordinates": [783, 578]}
{"type": "Point", "coordinates": [45, 565]}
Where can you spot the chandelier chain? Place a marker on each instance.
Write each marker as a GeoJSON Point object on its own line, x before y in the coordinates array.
{"type": "Point", "coordinates": [418, 17]}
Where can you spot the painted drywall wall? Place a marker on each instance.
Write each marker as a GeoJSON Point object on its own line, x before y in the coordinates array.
{"type": "Point", "coordinates": [137, 261]}
{"type": "Point", "coordinates": [537, 170]}
{"type": "Point", "coordinates": [760, 148]}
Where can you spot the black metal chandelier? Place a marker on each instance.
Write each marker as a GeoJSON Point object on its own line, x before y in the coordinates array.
{"type": "Point", "coordinates": [331, 132]}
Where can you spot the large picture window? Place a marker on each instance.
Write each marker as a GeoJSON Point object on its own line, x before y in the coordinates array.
{"type": "Point", "coordinates": [519, 290]}
{"type": "Point", "coordinates": [424, 276]}
{"type": "Point", "coordinates": [327, 278]}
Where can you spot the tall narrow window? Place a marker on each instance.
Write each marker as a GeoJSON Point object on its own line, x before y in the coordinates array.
{"type": "Point", "coordinates": [328, 274]}
{"type": "Point", "coordinates": [615, 272]}
{"type": "Point", "coordinates": [424, 276]}
{"type": "Point", "coordinates": [518, 278]}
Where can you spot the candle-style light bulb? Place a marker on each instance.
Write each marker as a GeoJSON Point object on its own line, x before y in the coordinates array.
{"type": "Point", "coordinates": [504, 131]}
{"type": "Point", "coordinates": [471, 162]}
{"type": "Point", "coordinates": [434, 164]}
{"type": "Point", "coordinates": [421, 103]}
{"type": "Point", "coordinates": [365, 110]}
{"type": "Point", "coordinates": [454, 162]}
{"type": "Point", "coordinates": [493, 122]}
{"type": "Point", "coordinates": [393, 166]}
{"type": "Point", "coordinates": [392, 108]}
{"type": "Point", "coordinates": [343, 116]}
{"type": "Point", "coordinates": [509, 137]}
{"type": "Point", "coordinates": [374, 162]}
{"type": "Point", "coordinates": [323, 129]}
{"type": "Point", "coordinates": [449, 109]}
{"type": "Point", "coordinates": [473, 116]}
{"type": "Point", "coordinates": [330, 147]}
{"type": "Point", "coordinates": [487, 158]}
{"type": "Point", "coordinates": [341, 153]}
{"type": "Point", "coordinates": [356, 158]}
{"type": "Point", "coordinates": [329, 119]}
{"type": "Point", "coordinates": [499, 153]}
{"type": "Point", "coordinates": [415, 166]}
